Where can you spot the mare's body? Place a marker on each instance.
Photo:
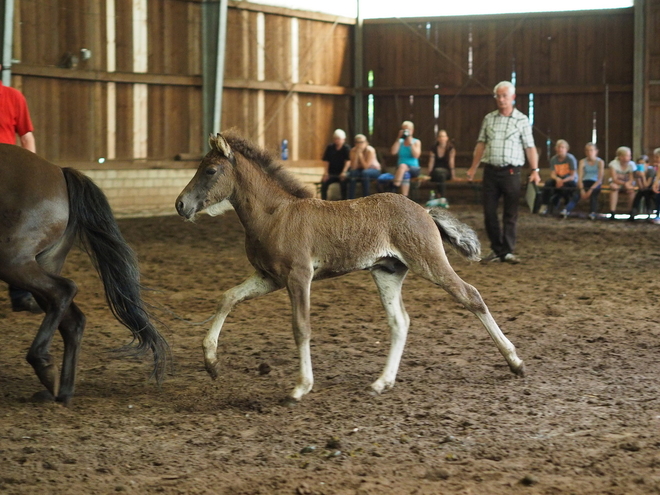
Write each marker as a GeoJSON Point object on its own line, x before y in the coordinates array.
{"type": "Point", "coordinates": [44, 210]}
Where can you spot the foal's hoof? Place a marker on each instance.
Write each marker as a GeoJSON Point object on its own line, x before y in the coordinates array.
{"type": "Point", "coordinates": [374, 393]}
{"type": "Point", "coordinates": [519, 371]}
{"type": "Point", "coordinates": [212, 369]}
{"type": "Point", "coordinates": [289, 402]}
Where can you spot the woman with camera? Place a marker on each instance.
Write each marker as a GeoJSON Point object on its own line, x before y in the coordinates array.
{"type": "Point", "coordinates": [408, 150]}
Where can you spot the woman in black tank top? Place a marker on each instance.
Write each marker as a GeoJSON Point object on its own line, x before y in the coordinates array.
{"type": "Point", "coordinates": [441, 161]}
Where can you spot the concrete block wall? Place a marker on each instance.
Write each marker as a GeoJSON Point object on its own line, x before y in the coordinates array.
{"type": "Point", "coordinates": [152, 192]}
{"type": "Point", "coordinates": [140, 193]}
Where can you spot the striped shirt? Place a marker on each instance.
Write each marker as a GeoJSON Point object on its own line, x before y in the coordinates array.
{"type": "Point", "coordinates": [506, 138]}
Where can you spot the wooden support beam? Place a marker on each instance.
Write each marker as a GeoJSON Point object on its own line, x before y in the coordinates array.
{"type": "Point", "coordinates": [103, 76]}
{"type": "Point", "coordinates": [639, 76]}
{"type": "Point", "coordinates": [283, 11]}
{"type": "Point", "coordinates": [479, 91]}
{"type": "Point", "coordinates": [281, 86]}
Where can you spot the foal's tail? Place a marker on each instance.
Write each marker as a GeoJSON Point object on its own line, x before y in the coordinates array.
{"type": "Point", "coordinates": [92, 220]}
{"type": "Point", "coordinates": [457, 234]}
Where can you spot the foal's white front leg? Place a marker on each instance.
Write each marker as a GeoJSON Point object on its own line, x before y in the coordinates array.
{"type": "Point", "coordinates": [299, 292]}
{"type": "Point", "coordinates": [255, 286]}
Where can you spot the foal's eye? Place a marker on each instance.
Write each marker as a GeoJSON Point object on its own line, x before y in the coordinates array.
{"type": "Point", "coordinates": [211, 171]}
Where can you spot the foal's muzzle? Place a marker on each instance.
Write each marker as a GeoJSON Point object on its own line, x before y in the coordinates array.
{"type": "Point", "coordinates": [185, 211]}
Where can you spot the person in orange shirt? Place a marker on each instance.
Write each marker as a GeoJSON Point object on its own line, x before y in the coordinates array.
{"type": "Point", "coordinates": [15, 120]}
{"type": "Point", "coordinates": [563, 179]}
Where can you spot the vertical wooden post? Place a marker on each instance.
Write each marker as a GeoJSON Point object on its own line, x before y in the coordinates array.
{"type": "Point", "coordinates": [294, 140]}
{"type": "Point", "coordinates": [220, 66]}
{"type": "Point", "coordinates": [140, 91]}
{"type": "Point", "coordinates": [261, 76]}
{"type": "Point", "coordinates": [358, 69]}
{"type": "Point", "coordinates": [7, 42]}
{"type": "Point", "coordinates": [639, 76]}
{"type": "Point", "coordinates": [111, 66]}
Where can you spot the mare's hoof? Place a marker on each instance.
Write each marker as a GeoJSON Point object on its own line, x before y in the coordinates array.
{"type": "Point", "coordinates": [26, 303]}
{"type": "Point", "coordinates": [50, 377]}
{"type": "Point", "coordinates": [519, 371]}
{"type": "Point", "coordinates": [65, 400]}
{"type": "Point", "coordinates": [42, 396]}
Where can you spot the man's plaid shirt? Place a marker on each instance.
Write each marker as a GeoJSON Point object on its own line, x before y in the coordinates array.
{"type": "Point", "coordinates": [506, 138]}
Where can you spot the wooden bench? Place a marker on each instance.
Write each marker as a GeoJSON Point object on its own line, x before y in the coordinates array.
{"type": "Point", "coordinates": [421, 184]}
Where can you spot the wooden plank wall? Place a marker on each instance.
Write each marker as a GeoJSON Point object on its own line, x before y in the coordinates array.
{"type": "Point", "coordinates": [69, 99]}
{"type": "Point", "coordinates": [652, 82]}
{"type": "Point", "coordinates": [565, 59]}
{"type": "Point", "coordinates": [305, 91]}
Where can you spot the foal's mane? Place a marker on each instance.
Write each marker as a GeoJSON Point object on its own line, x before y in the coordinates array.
{"type": "Point", "coordinates": [268, 164]}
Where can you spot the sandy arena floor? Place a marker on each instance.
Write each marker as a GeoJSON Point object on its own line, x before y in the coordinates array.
{"type": "Point", "coordinates": [582, 310]}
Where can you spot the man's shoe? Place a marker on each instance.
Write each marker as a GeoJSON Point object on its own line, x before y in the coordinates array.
{"type": "Point", "coordinates": [26, 304]}
{"type": "Point", "coordinates": [592, 216]}
{"type": "Point", "coordinates": [543, 210]}
{"type": "Point", "coordinates": [564, 213]}
{"type": "Point", "coordinates": [490, 258]}
{"type": "Point", "coordinates": [510, 258]}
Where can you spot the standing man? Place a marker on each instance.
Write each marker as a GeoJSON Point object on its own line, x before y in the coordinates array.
{"type": "Point", "coordinates": [15, 119]}
{"type": "Point", "coordinates": [337, 162]}
{"type": "Point", "coordinates": [504, 140]}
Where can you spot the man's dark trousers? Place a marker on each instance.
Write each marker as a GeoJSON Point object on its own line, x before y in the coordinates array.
{"type": "Point", "coordinates": [501, 182]}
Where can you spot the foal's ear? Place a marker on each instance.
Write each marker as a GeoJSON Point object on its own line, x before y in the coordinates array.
{"type": "Point", "coordinates": [220, 144]}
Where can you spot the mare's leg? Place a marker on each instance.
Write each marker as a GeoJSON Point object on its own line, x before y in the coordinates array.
{"type": "Point", "coordinates": [55, 295]}
{"type": "Point", "coordinates": [299, 287]}
{"type": "Point", "coordinates": [255, 286]}
{"type": "Point", "coordinates": [71, 328]}
{"type": "Point", "coordinates": [439, 271]}
{"type": "Point", "coordinates": [389, 287]}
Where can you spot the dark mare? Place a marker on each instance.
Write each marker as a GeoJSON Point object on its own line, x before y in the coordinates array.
{"type": "Point", "coordinates": [44, 210]}
{"type": "Point", "coordinates": [292, 239]}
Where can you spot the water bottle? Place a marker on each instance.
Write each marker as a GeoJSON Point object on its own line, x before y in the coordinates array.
{"type": "Point", "coordinates": [432, 195]}
{"type": "Point", "coordinates": [285, 149]}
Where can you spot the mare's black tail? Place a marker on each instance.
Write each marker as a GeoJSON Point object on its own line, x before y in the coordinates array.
{"type": "Point", "coordinates": [91, 217]}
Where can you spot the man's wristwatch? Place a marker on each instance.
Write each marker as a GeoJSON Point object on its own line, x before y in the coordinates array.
{"type": "Point", "coordinates": [535, 170]}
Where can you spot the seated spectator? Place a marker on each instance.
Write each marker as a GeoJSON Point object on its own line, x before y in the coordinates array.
{"type": "Point", "coordinates": [591, 171]}
{"type": "Point", "coordinates": [621, 178]}
{"type": "Point", "coordinates": [408, 150]}
{"type": "Point", "coordinates": [656, 183]}
{"type": "Point", "coordinates": [442, 163]}
{"type": "Point", "coordinates": [644, 177]}
{"type": "Point", "coordinates": [364, 166]}
{"type": "Point", "coordinates": [563, 179]}
{"type": "Point", "coordinates": [337, 161]}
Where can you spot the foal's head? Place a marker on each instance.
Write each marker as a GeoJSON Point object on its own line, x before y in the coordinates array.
{"type": "Point", "coordinates": [216, 180]}
{"type": "Point", "coordinates": [213, 183]}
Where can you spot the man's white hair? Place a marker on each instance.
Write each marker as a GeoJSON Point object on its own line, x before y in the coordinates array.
{"type": "Point", "coordinates": [505, 84]}
{"type": "Point", "coordinates": [339, 133]}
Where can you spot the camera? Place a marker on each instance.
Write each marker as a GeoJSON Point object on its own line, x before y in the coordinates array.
{"type": "Point", "coordinates": [406, 134]}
